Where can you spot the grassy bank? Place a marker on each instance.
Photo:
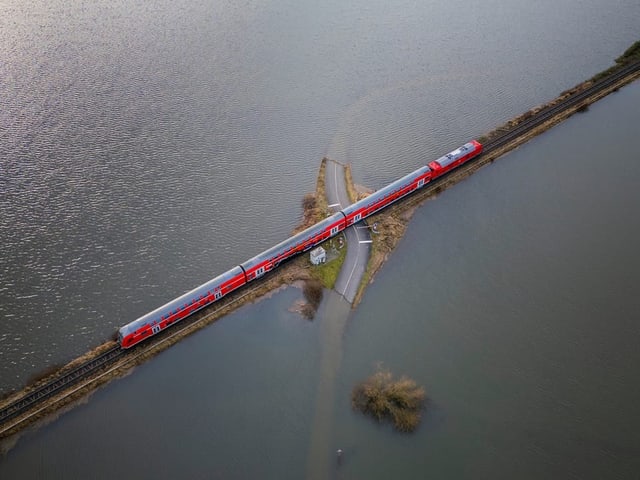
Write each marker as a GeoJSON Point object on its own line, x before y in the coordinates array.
{"type": "Point", "coordinates": [327, 273]}
{"type": "Point", "coordinates": [631, 54]}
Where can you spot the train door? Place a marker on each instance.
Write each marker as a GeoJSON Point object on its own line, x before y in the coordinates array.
{"type": "Point", "coordinates": [259, 272]}
{"type": "Point", "coordinates": [155, 329]}
{"type": "Point", "coordinates": [334, 230]}
{"type": "Point", "coordinates": [217, 294]}
{"type": "Point", "coordinates": [421, 183]}
{"type": "Point", "coordinates": [356, 219]}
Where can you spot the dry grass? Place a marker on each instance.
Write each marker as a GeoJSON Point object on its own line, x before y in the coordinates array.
{"type": "Point", "coordinates": [314, 205]}
{"type": "Point", "coordinates": [351, 189]}
{"type": "Point", "coordinates": [53, 372]}
{"type": "Point", "coordinates": [386, 399]}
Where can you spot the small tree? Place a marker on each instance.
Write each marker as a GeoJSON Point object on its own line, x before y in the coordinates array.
{"type": "Point", "coordinates": [399, 401]}
{"type": "Point", "coordinates": [313, 293]}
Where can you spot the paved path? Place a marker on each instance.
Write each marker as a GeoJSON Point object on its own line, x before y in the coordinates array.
{"type": "Point", "coordinates": [358, 253]}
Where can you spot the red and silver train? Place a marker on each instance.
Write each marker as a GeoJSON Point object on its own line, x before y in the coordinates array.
{"type": "Point", "coordinates": [204, 295]}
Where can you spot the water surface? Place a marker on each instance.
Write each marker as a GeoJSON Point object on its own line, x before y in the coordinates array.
{"type": "Point", "coordinates": [146, 148]}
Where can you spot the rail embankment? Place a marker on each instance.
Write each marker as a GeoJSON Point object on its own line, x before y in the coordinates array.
{"type": "Point", "coordinates": [394, 220]}
{"type": "Point", "coordinates": [297, 271]}
{"type": "Point", "coordinates": [392, 224]}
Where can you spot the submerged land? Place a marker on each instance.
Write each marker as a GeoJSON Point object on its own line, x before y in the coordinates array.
{"type": "Point", "coordinates": [389, 399]}
{"type": "Point", "coordinates": [392, 224]}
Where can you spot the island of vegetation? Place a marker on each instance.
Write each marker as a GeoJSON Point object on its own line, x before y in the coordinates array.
{"type": "Point", "coordinates": [399, 401]}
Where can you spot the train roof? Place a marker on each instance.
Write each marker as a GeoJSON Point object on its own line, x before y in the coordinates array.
{"type": "Point", "coordinates": [292, 241]}
{"type": "Point", "coordinates": [385, 190]}
{"type": "Point", "coordinates": [451, 157]}
{"type": "Point", "coordinates": [176, 303]}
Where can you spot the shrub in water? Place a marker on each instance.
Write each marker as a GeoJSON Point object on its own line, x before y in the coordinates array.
{"type": "Point", "coordinates": [384, 398]}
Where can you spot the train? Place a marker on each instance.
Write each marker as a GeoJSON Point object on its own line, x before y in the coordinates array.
{"type": "Point", "coordinates": [206, 294]}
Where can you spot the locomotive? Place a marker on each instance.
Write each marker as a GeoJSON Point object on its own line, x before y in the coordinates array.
{"type": "Point", "coordinates": [213, 290]}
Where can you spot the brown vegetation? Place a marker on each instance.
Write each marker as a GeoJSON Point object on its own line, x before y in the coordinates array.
{"type": "Point", "coordinates": [55, 371]}
{"type": "Point", "coordinates": [631, 54]}
{"type": "Point", "coordinates": [314, 205]}
{"type": "Point", "coordinates": [313, 293]}
{"type": "Point", "coordinates": [44, 373]}
{"type": "Point", "coordinates": [351, 189]}
{"type": "Point", "coordinates": [385, 399]}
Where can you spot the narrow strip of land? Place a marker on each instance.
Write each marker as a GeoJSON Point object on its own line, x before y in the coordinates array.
{"type": "Point", "coordinates": [357, 236]}
{"type": "Point", "coordinates": [393, 222]}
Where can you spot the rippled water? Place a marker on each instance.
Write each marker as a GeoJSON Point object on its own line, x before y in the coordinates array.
{"type": "Point", "coordinates": [145, 148]}
{"type": "Point", "coordinates": [525, 336]}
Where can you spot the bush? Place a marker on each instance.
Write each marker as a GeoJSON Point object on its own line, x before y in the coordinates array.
{"type": "Point", "coordinates": [632, 53]}
{"type": "Point", "coordinates": [399, 401]}
{"type": "Point", "coordinates": [313, 292]}
{"type": "Point", "coordinates": [309, 202]}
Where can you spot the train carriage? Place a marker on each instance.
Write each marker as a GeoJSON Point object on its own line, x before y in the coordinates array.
{"type": "Point", "coordinates": [309, 238]}
{"type": "Point", "coordinates": [387, 195]}
{"type": "Point", "coordinates": [181, 307]}
{"type": "Point", "coordinates": [170, 313]}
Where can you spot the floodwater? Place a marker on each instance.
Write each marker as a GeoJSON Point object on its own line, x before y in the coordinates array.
{"type": "Point", "coordinates": [515, 307]}
{"type": "Point", "coordinates": [146, 148]}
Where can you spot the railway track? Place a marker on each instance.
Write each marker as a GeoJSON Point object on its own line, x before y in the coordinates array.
{"type": "Point", "coordinates": [549, 112]}
{"type": "Point", "coordinates": [513, 133]}
{"type": "Point", "coordinates": [34, 398]}
{"type": "Point", "coordinates": [56, 385]}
